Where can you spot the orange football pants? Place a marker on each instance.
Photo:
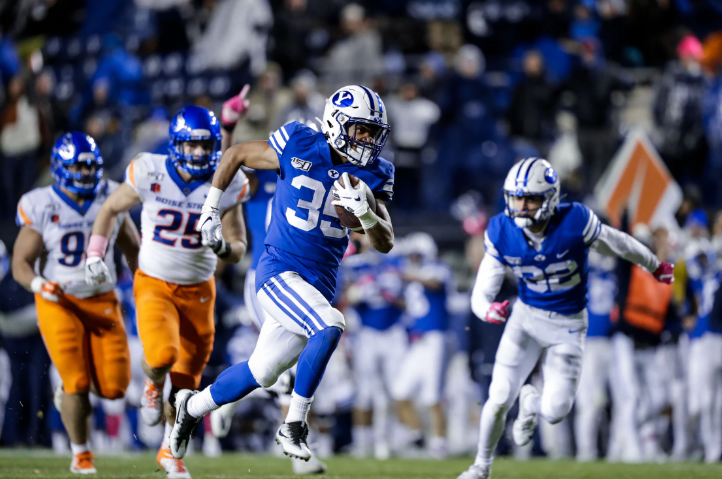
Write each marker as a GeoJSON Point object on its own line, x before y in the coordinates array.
{"type": "Point", "coordinates": [176, 326]}
{"type": "Point", "coordinates": [86, 341]}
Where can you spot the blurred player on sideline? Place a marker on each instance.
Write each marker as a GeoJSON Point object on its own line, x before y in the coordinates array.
{"type": "Point", "coordinates": [81, 324]}
{"type": "Point", "coordinates": [174, 287]}
{"type": "Point", "coordinates": [546, 245]}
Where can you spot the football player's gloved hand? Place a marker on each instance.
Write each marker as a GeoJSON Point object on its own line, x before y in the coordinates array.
{"type": "Point", "coordinates": [498, 313]}
{"type": "Point", "coordinates": [353, 199]}
{"type": "Point", "coordinates": [96, 271]}
{"type": "Point", "coordinates": [49, 290]}
{"type": "Point", "coordinates": [209, 224]}
{"type": "Point", "coordinates": [664, 273]}
{"type": "Point", "coordinates": [234, 107]}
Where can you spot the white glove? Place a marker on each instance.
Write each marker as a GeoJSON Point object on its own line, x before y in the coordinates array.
{"type": "Point", "coordinates": [352, 198]}
{"type": "Point", "coordinates": [96, 271]}
{"type": "Point", "coordinates": [49, 290]}
{"type": "Point", "coordinates": [209, 224]}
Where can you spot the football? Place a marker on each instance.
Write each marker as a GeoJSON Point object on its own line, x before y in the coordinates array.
{"type": "Point", "coordinates": [347, 218]}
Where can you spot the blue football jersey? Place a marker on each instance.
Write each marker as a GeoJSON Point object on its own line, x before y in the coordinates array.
{"type": "Point", "coordinates": [555, 277]}
{"type": "Point", "coordinates": [426, 307]}
{"type": "Point", "coordinates": [379, 279]}
{"type": "Point", "coordinates": [704, 283]}
{"type": "Point", "coordinates": [258, 212]}
{"type": "Point", "coordinates": [602, 293]}
{"type": "Point", "coordinates": [305, 234]}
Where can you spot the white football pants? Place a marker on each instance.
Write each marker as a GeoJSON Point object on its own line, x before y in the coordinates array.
{"type": "Point", "coordinates": [377, 358]}
{"type": "Point", "coordinates": [705, 392]}
{"type": "Point", "coordinates": [592, 395]}
{"type": "Point", "coordinates": [421, 376]}
{"type": "Point", "coordinates": [529, 333]}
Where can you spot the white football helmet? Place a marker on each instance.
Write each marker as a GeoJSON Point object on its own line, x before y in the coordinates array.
{"type": "Point", "coordinates": [421, 244]}
{"type": "Point", "coordinates": [348, 108]}
{"type": "Point", "coordinates": [532, 177]}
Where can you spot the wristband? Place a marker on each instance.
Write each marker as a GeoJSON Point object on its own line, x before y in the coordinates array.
{"type": "Point", "coordinates": [222, 249]}
{"type": "Point", "coordinates": [36, 285]}
{"type": "Point", "coordinates": [97, 246]}
{"type": "Point", "coordinates": [214, 198]}
{"type": "Point", "coordinates": [368, 220]}
{"type": "Point", "coordinates": [229, 127]}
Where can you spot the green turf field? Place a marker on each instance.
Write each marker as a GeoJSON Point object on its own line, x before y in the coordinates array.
{"type": "Point", "coordinates": [24, 465]}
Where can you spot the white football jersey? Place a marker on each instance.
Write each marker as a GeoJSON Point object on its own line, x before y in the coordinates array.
{"type": "Point", "coordinates": [65, 227]}
{"type": "Point", "coordinates": [171, 248]}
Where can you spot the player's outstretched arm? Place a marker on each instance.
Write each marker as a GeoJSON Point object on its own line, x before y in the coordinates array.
{"type": "Point", "coordinates": [28, 248]}
{"type": "Point", "coordinates": [234, 232]}
{"type": "Point", "coordinates": [129, 242]}
{"type": "Point", "coordinates": [254, 154]}
{"type": "Point", "coordinates": [489, 279]}
{"type": "Point", "coordinates": [381, 235]}
{"type": "Point", "coordinates": [119, 201]}
{"type": "Point", "coordinates": [612, 242]}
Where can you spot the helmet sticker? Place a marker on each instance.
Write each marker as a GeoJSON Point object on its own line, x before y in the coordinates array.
{"type": "Point", "coordinates": [550, 175]}
{"type": "Point", "coordinates": [342, 99]}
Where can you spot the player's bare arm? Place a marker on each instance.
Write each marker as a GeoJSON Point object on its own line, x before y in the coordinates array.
{"type": "Point", "coordinates": [129, 243]}
{"type": "Point", "coordinates": [252, 154]}
{"type": "Point", "coordinates": [120, 201]}
{"type": "Point", "coordinates": [234, 232]}
{"type": "Point", "coordinates": [381, 235]}
{"type": "Point", "coordinates": [28, 248]}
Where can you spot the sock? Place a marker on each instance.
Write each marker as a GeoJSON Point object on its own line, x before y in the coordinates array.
{"type": "Point", "coordinates": [233, 384]}
{"type": "Point", "coordinates": [362, 439]}
{"type": "Point", "coordinates": [491, 427]}
{"type": "Point", "coordinates": [298, 409]}
{"type": "Point", "coordinates": [166, 434]}
{"type": "Point", "coordinates": [79, 448]}
{"type": "Point", "coordinates": [202, 403]}
{"type": "Point", "coordinates": [313, 359]}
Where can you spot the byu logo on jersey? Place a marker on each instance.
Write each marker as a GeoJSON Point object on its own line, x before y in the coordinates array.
{"type": "Point", "coordinates": [333, 174]}
{"type": "Point", "coordinates": [300, 164]}
{"type": "Point", "coordinates": [343, 99]}
{"type": "Point", "coordinates": [539, 257]}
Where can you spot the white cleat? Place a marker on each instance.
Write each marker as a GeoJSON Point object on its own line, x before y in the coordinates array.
{"type": "Point", "coordinates": [526, 421]}
{"type": "Point", "coordinates": [185, 425]}
{"type": "Point", "coordinates": [174, 468]}
{"type": "Point", "coordinates": [222, 419]}
{"type": "Point", "coordinates": [307, 468]}
{"type": "Point", "coordinates": [476, 471]}
{"type": "Point", "coordinates": [151, 403]}
{"type": "Point", "coordinates": [293, 438]}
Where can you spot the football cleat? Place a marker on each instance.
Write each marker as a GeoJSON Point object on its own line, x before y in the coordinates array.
{"type": "Point", "coordinates": [185, 425]}
{"type": "Point", "coordinates": [83, 463]}
{"type": "Point", "coordinates": [222, 419]}
{"type": "Point", "coordinates": [526, 421]}
{"type": "Point", "coordinates": [174, 468]}
{"type": "Point", "coordinates": [292, 437]}
{"type": "Point", "coordinates": [151, 403]}
{"type": "Point", "coordinates": [310, 467]}
{"type": "Point", "coordinates": [476, 471]}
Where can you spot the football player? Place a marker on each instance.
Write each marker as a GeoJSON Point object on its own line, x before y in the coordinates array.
{"type": "Point", "coordinates": [81, 324]}
{"type": "Point", "coordinates": [546, 245]}
{"type": "Point", "coordinates": [174, 287]}
{"type": "Point", "coordinates": [296, 274]}
{"type": "Point", "coordinates": [422, 370]}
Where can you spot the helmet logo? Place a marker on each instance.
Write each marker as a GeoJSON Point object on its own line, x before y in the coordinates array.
{"type": "Point", "coordinates": [179, 124]}
{"type": "Point", "coordinates": [67, 151]}
{"type": "Point", "coordinates": [550, 175]}
{"type": "Point", "coordinates": [342, 99]}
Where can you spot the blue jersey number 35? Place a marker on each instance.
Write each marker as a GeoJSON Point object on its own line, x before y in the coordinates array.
{"type": "Point", "coordinates": [314, 209]}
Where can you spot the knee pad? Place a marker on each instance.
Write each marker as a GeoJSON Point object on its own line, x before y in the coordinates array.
{"type": "Point", "coordinates": [163, 357]}
{"type": "Point", "coordinates": [76, 385]}
{"type": "Point", "coordinates": [555, 406]}
{"type": "Point", "coordinates": [500, 394]}
{"type": "Point", "coordinates": [335, 318]}
{"type": "Point", "coordinates": [112, 392]}
{"type": "Point", "coordinates": [264, 373]}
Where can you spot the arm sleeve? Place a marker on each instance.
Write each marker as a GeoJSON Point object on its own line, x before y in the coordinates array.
{"type": "Point", "coordinates": [488, 283]}
{"type": "Point", "coordinates": [612, 242]}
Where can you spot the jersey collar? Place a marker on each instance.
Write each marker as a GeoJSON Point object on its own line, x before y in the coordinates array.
{"type": "Point", "coordinates": [68, 201]}
{"type": "Point", "coordinates": [186, 188]}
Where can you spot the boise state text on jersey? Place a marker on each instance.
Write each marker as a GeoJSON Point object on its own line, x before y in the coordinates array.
{"type": "Point", "coordinates": [305, 234]}
{"type": "Point", "coordinates": [258, 212]}
{"type": "Point", "coordinates": [555, 277]}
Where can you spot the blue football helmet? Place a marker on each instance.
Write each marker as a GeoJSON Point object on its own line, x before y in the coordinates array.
{"type": "Point", "coordinates": [194, 123]}
{"type": "Point", "coordinates": [76, 148]}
